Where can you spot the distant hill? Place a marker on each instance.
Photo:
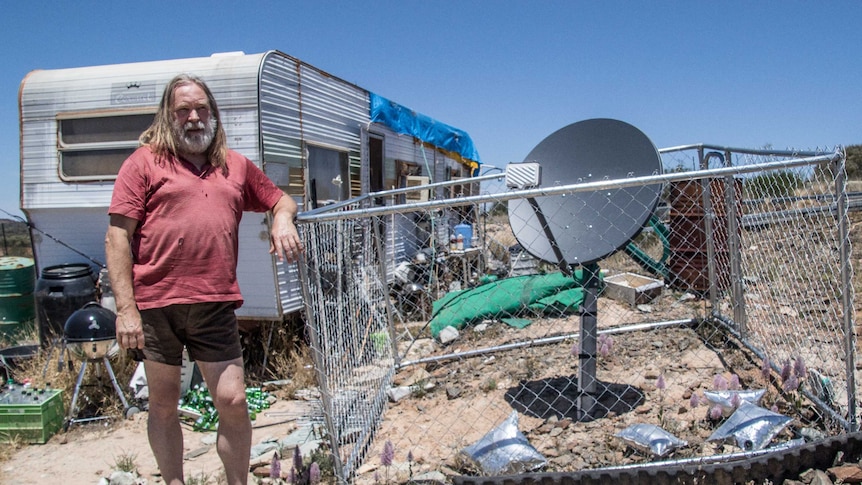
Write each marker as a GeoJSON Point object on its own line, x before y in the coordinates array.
{"type": "Point", "coordinates": [14, 228]}
{"type": "Point", "coordinates": [14, 238]}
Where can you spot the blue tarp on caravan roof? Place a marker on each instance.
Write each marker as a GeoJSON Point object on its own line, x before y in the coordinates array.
{"type": "Point", "coordinates": [406, 121]}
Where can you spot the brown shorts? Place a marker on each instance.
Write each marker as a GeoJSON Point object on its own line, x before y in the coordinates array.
{"type": "Point", "coordinates": [208, 330]}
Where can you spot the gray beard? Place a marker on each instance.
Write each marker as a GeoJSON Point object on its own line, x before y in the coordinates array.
{"type": "Point", "coordinates": [196, 143]}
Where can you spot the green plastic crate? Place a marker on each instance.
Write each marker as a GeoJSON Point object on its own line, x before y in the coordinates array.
{"type": "Point", "coordinates": [32, 416]}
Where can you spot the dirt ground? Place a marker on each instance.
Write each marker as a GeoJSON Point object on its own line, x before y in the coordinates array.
{"type": "Point", "coordinates": [89, 452]}
{"type": "Point", "coordinates": [435, 426]}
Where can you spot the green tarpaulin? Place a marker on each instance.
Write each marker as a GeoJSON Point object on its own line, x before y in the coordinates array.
{"type": "Point", "coordinates": [553, 293]}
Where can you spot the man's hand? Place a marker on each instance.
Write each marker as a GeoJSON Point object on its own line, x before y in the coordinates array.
{"type": "Point", "coordinates": [284, 238]}
{"type": "Point", "coordinates": [130, 331]}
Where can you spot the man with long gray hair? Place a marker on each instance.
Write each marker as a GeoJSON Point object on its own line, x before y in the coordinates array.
{"type": "Point", "coordinates": [171, 249]}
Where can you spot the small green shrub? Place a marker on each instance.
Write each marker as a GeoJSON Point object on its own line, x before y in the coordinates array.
{"type": "Point", "coordinates": [125, 462]}
{"type": "Point", "coordinates": [773, 184]}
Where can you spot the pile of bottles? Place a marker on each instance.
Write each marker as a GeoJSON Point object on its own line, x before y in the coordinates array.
{"type": "Point", "coordinates": [23, 393]}
{"type": "Point", "coordinates": [198, 401]}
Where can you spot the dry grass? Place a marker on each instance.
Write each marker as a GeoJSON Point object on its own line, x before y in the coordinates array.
{"type": "Point", "coordinates": [8, 449]}
{"type": "Point", "coordinates": [48, 369]}
{"type": "Point", "coordinates": [294, 364]}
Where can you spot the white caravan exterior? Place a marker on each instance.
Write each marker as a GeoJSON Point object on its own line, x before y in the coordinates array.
{"type": "Point", "coordinates": [312, 134]}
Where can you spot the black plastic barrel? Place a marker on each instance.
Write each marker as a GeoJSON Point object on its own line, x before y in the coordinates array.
{"type": "Point", "coordinates": [60, 291]}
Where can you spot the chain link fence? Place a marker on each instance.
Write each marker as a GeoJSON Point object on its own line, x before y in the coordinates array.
{"type": "Point", "coordinates": [442, 345]}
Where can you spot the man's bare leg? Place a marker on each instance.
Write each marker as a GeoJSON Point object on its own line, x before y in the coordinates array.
{"type": "Point", "coordinates": [226, 384]}
{"type": "Point", "coordinates": [163, 425]}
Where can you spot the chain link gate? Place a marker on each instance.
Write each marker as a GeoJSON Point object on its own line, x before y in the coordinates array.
{"type": "Point", "coordinates": [424, 346]}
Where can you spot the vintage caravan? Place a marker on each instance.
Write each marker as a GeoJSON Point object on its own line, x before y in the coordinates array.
{"type": "Point", "coordinates": [318, 137]}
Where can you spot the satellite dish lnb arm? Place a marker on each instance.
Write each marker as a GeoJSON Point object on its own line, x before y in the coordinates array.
{"type": "Point", "coordinates": [563, 265]}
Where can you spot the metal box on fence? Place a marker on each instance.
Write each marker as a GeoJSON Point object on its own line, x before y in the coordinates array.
{"type": "Point", "coordinates": [632, 288]}
{"type": "Point", "coordinates": [30, 415]}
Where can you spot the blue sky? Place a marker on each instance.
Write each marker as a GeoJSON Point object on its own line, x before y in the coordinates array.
{"type": "Point", "coordinates": [735, 73]}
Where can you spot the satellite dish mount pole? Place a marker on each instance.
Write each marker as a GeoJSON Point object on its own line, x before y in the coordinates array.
{"type": "Point", "coordinates": [587, 341]}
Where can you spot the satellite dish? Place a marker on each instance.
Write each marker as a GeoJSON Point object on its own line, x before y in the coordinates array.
{"type": "Point", "coordinates": [584, 227]}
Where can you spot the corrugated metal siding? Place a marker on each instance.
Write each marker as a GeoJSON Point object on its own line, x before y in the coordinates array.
{"type": "Point", "coordinates": [256, 270]}
{"type": "Point", "coordinates": [280, 132]}
{"type": "Point", "coordinates": [333, 113]}
{"type": "Point", "coordinates": [332, 110]}
{"type": "Point", "coordinates": [300, 104]}
{"type": "Point", "coordinates": [279, 119]}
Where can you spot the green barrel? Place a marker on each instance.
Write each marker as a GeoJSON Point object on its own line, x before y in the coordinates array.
{"type": "Point", "coordinates": [17, 275]}
{"type": "Point", "coordinates": [17, 302]}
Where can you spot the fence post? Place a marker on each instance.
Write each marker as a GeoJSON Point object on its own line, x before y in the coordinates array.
{"type": "Point", "coordinates": [737, 287]}
{"type": "Point", "coordinates": [847, 288]}
{"type": "Point", "coordinates": [709, 228]}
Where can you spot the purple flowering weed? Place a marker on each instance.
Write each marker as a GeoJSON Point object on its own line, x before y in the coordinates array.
{"type": "Point", "coordinates": [314, 474]}
{"type": "Point", "coordinates": [786, 370]}
{"type": "Point", "coordinates": [734, 384]}
{"type": "Point", "coordinates": [799, 368]}
{"type": "Point", "coordinates": [297, 459]}
{"type": "Point", "coordinates": [694, 401]}
{"type": "Point", "coordinates": [719, 383]}
{"type": "Point", "coordinates": [604, 350]}
{"type": "Point", "coordinates": [715, 412]}
{"type": "Point", "coordinates": [606, 345]}
{"type": "Point", "coordinates": [660, 384]}
{"type": "Point", "coordinates": [275, 467]}
{"type": "Point", "coordinates": [387, 454]}
{"type": "Point", "coordinates": [791, 384]}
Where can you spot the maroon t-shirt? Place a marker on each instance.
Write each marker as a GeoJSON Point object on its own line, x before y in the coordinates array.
{"type": "Point", "coordinates": [184, 249]}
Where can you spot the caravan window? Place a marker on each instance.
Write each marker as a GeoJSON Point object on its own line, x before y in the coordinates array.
{"type": "Point", "coordinates": [328, 175]}
{"type": "Point", "coordinates": [93, 148]}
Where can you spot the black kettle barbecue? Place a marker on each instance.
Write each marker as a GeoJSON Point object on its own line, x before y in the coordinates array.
{"type": "Point", "coordinates": [90, 335]}
{"type": "Point", "coordinates": [90, 332]}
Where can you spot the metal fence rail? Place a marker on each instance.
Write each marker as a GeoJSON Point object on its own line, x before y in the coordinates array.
{"type": "Point", "coordinates": [425, 347]}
